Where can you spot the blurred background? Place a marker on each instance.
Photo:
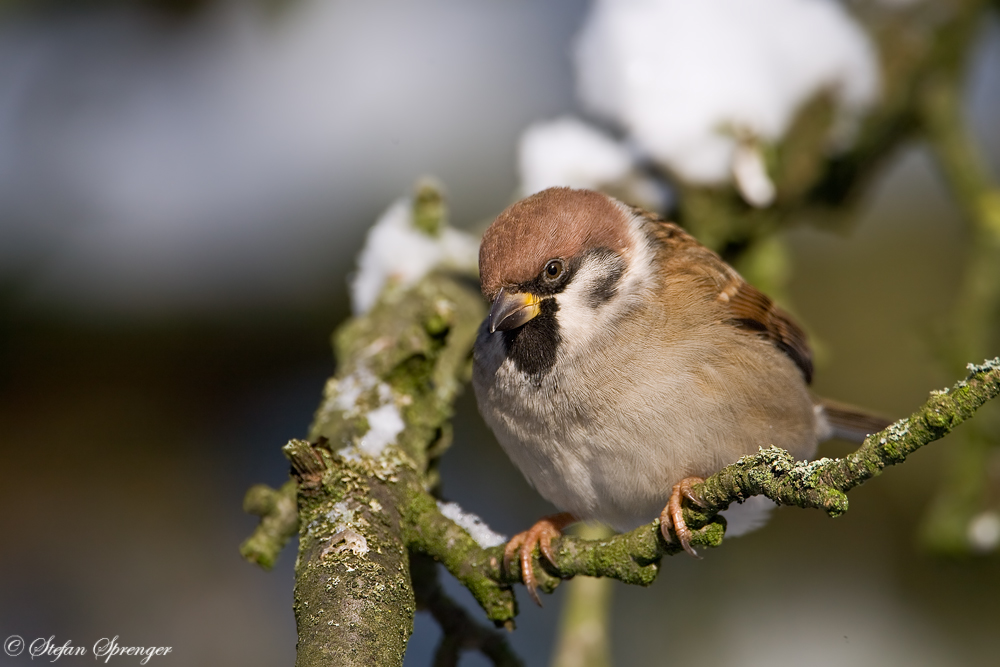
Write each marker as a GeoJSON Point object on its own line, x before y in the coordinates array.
{"type": "Point", "coordinates": [184, 187]}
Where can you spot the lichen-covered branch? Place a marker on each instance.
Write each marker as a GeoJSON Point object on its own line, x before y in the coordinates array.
{"type": "Point", "coordinates": [824, 483]}
{"type": "Point", "coordinates": [373, 442]}
{"type": "Point", "coordinates": [367, 471]}
{"type": "Point", "coordinates": [432, 533]}
{"type": "Point", "coordinates": [353, 596]}
{"type": "Point", "coordinates": [279, 522]}
{"type": "Point", "coordinates": [460, 632]}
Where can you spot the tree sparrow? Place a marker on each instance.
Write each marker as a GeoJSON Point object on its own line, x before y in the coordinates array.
{"type": "Point", "coordinates": [622, 362]}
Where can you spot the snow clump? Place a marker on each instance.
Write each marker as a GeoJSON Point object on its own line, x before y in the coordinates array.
{"type": "Point", "coordinates": [396, 251]}
{"type": "Point", "coordinates": [690, 82]}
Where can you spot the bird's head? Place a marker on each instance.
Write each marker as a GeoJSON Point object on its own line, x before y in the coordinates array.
{"type": "Point", "coordinates": [560, 264]}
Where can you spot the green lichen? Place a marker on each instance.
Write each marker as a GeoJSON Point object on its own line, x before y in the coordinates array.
{"type": "Point", "coordinates": [412, 350]}
{"type": "Point", "coordinates": [430, 215]}
{"type": "Point", "coordinates": [358, 601]}
{"type": "Point", "coordinates": [279, 522]}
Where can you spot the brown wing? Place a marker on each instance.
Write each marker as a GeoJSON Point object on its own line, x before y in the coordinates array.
{"type": "Point", "coordinates": [752, 310]}
{"type": "Point", "coordinates": [748, 307]}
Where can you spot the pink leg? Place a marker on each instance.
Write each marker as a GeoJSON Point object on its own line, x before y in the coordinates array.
{"type": "Point", "coordinates": [523, 544]}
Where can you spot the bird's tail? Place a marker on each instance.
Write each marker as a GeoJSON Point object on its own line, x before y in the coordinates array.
{"type": "Point", "coordinates": [840, 420]}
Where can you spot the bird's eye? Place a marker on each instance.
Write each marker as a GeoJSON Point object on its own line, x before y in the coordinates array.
{"type": "Point", "coordinates": [554, 269]}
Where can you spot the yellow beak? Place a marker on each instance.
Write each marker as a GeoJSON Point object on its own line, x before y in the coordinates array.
{"type": "Point", "coordinates": [512, 309]}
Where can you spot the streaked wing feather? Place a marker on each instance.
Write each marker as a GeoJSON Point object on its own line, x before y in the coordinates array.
{"type": "Point", "coordinates": [749, 308]}
{"type": "Point", "coordinates": [752, 310]}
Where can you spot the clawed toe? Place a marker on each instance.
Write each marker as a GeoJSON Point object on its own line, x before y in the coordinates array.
{"type": "Point", "coordinates": [673, 514]}
{"type": "Point", "coordinates": [523, 544]}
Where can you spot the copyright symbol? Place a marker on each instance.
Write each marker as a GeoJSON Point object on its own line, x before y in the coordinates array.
{"type": "Point", "coordinates": [13, 646]}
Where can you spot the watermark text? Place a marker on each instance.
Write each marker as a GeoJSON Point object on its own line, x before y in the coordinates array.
{"type": "Point", "coordinates": [103, 650]}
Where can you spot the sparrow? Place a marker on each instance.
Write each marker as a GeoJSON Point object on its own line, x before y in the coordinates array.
{"type": "Point", "coordinates": [622, 362]}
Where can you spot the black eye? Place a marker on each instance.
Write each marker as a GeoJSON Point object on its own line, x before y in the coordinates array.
{"type": "Point", "coordinates": [554, 269]}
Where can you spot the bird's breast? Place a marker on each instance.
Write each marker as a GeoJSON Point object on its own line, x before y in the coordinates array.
{"type": "Point", "coordinates": [606, 436]}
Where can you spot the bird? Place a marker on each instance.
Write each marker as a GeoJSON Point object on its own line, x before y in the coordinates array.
{"type": "Point", "coordinates": [622, 362]}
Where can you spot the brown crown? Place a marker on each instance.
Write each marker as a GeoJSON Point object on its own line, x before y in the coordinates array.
{"type": "Point", "coordinates": [555, 223]}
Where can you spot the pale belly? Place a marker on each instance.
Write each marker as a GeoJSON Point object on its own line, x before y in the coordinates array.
{"type": "Point", "coordinates": [610, 450]}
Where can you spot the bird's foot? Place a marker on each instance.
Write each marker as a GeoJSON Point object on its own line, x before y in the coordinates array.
{"type": "Point", "coordinates": [672, 515]}
{"type": "Point", "coordinates": [523, 544]}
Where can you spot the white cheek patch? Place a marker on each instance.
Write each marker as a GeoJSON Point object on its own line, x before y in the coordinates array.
{"type": "Point", "coordinates": [592, 298]}
{"type": "Point", "coordinates": [604, 288]}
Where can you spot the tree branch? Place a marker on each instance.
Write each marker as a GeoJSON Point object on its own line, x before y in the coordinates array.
{"type": "Point", "coordinates": [363, 479]}
{"type": "Point", "coordinates": [279, 522]}
{"type": "Point", "coordinates": [459, 631]}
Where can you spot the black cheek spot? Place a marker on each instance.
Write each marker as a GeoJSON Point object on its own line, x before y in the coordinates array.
{"type": "Point", "coordinates": [533, 347]}
{"type": "Point", "coordinates": [607, 287]}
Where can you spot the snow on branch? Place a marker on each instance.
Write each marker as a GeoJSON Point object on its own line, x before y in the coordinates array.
{"type": "Point", "coordinates": [700, 87]}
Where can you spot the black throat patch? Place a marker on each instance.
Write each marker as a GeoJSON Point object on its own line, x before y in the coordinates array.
{"type": "Point", "coordinates": [533, 346]}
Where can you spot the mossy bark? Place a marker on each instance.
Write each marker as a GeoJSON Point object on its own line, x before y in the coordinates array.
{"type": "Point", "coordinates": [362, 494]}
{"type": "Point", "coordinates": [279, 522]}
{"type": "Point", "coordinates": [354, 601]}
